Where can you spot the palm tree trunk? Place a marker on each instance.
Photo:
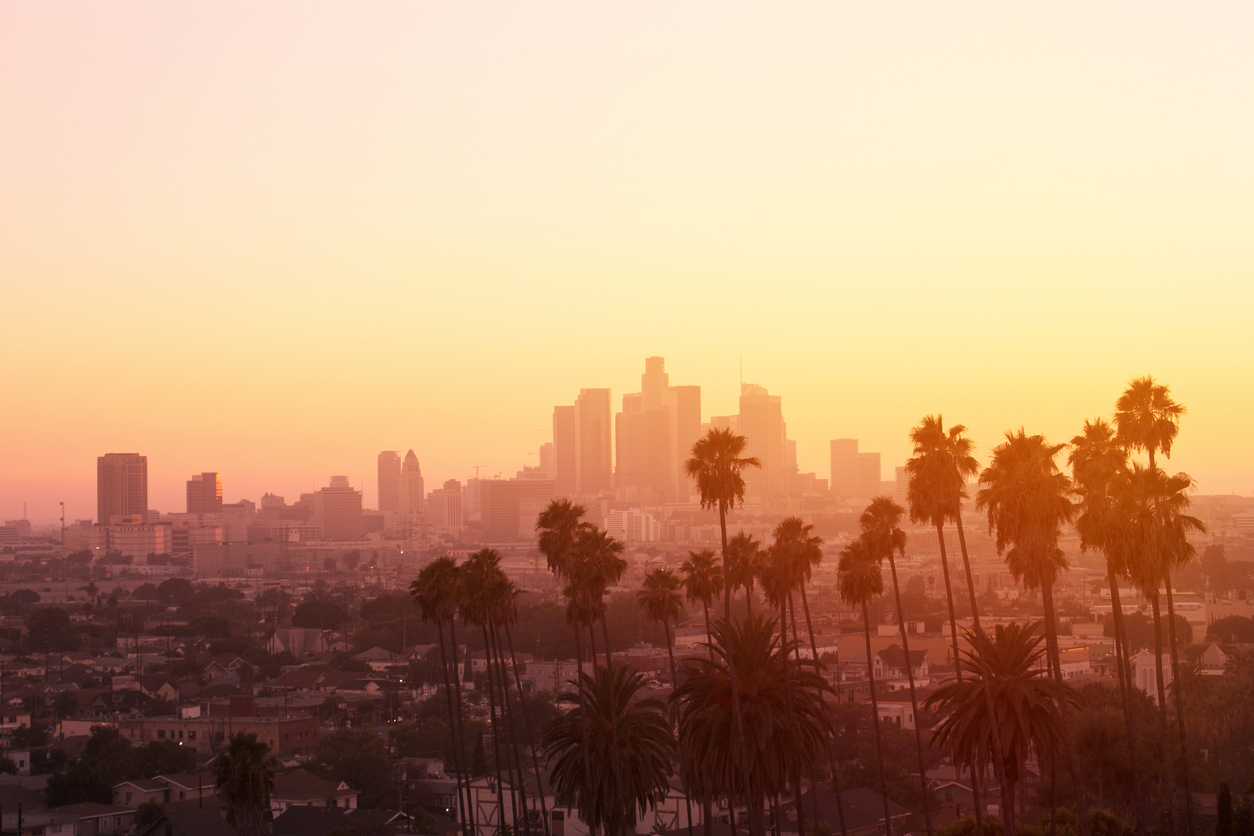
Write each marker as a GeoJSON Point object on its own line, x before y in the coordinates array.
{"type": "Point", "coordinates": [531, 738]}
{"type": "Point", "coordinates": [614, 753]}
{"type": "Point", "coordinates": [683, 775]}
{"type": "Point", "coordinates": [583, 724]}
{"type": "Point", "coordinates": [731, 666]}
{"type": "Point", "coordinates": [452, 722]}
{"type": "Point", "coordinates": [749, 599]}
{"type": "Point", "coordinates": [796, 646]}
{"type": "Point", "coordinates": [914, 702]}
{"type": "Point", "coordinates": [507, 718]}
{"type": "Point", "coordinates": [1168, 779]}
{"type": "Point", "coordinates": [1122, 659]}
{"type": "Point", "coordinates": [792, 720]}
{"type": "Point", "coordinates": [831, 749]}
{"type": "Point", "coordinates": [1175, 692]}
{"type": "Point", "coordinates": [1051, 638]}
{"type": "Point", "coordinates": [999, 765]}
{"type": "Point", "coordinates": [953, 629]}
{"type": "Point", "coordinates": [460, 721]}
{"type": "Point", "coordinates": [709, 636]}
{"type": "Point", "coordinates": [875, 719]}
{"type": "Point", "coordinates": [496, 734]}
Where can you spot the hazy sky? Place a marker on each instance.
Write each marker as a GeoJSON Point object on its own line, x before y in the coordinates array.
{"type": "Point", "coordinates": [272, 240]}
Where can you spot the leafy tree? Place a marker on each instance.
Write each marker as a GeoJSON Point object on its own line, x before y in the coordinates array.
{"type": "Point", "coordinates": [1224, 825]}
{"type": "Point", "coordinates": [30, 737]}
{"type": "Point", "coordinates": [49, 629]}
{"type": "Point", "coordinates": [328, 565]}
{"type": "Point", "coordinates": [319, 614]}
{"type": "Point", "coordinates": [360, 758]}
{"type": "Point", "coordinates": [1235, 629]}
{"type": "Point", "coordinates": [174, 591]}
{"type": "Point", "coordinates": [160, 707]}
{"type": "Point", "coordinates": [7, 766]}
{"type": "Point", "coordinates": [161, 757]}
{"type": "Point", "coordinates": [81, 782]}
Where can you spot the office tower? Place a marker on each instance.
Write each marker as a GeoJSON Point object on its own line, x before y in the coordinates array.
{"type": "Point", "coordinates": [510, 507]}
{"type": "Point", "coordinates": [546, 460]}
{"type": "Point", "coordinates": [204, 494]}
{"type": "Point", "coordinates": [901, 488]}
{"type": "Point", "coordinates": [654, 436]}
{"type": "Point", "coordinates": [855, 475]}
{"type": "Point", "coordinates": [444, 507]}
{"type": "Point", "coordinates": [336, 510]}
{"type": "Point", "coordinates": [762, 423]}
{"type": "Point", "coordinates": [411, 498]}
{"type": "Point", "coordinates": [582, 438]}
{"type": "Point", "coordinates": [121, 486]}
{"type": "Point", "coordinates": [389, 482]}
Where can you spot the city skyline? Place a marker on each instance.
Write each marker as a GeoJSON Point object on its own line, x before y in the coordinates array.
{"type": "Point", "coordinates": [272, 251]}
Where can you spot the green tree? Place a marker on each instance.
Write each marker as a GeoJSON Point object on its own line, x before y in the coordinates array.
{"type": "Point", "coordinates": [148, 813]}
{"type": "Point", "coordinates": [717, 465]}
{"type": "Point", "coordinates": [702, 580]}
{"type": "Point", "coordinates": [161, 757]}
{"type": "Point", "coordinates": [49, 629]}
{"type": "Point", "coordinates": [360, 758]}
{"type": "Point", "coordinates": [244, 778]}
{"type": "Point", "coordinates": [1027, 499]}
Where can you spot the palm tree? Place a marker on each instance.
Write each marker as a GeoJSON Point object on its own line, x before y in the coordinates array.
{"type": "Point", "coordinates": [702, 580]}
{"type": "Point", "coordinates": [1027, 500]}
{"type": "Point", "coordinates": [716, 464]}
{"type": "Point", "coordinates": [1153, 534]}
{"type": "Point", "coordinates": [1098, 465]}
{"type": "Point", "coordinates": [938, 474]}
{"type": "Point", "coordinates": [645, 748]}
{"type": "Point", "coordinates": [662, 602]}
{"type": "Point", "coordinates": [435, 592]}
{"type": "Point", "coordinates": [1026, 705]}
{"type": "Point", "coordinates": [744, 565]}
{"type": "Point", "coordinates": [765, 681]}
{"type": "Point", "coordinates": [1147, 418]}
{"type": "Point", "coordinates": [244, 777]}
{"type": "Point", "coordinates": [881, 531]}
{"type": "Point", "coordinates": [860, 579]}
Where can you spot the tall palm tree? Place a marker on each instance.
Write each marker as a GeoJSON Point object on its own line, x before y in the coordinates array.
{"type": "Point", "coordinates": [244, 777]}
{"type": "Point", "coordinates": [938, 473]}
{"type": "Point", "coordinates": [435, 591]}
{"type": "Point", "coordinates": [557, 528]}
{"type": "Point", "coordinates": [662, 602]}
{"type": "Point", "coordinates": [705, 701]}
{"type": "Point", "coordinates": [1148, 419]}
{"type": "Point", "coordinates": [1153, 533]}
{"type": "Point", "coordinates": [1026, 705]}
{"type": "Point", "coordinates": [702, 580]}
{"type": "Point", "coordinates": [646, 746]}
{"type": "Point", "coordinates": [1098, 465]}
{"type": "Point", "coordinates": [881, 531]}
{"type": "Point", "coordinates": [744, 565]}
{"type": "Point", "coordinates": [798, 552]}
{"type": "Point", "coordinates": [716, 465]}
{"type": "Point", "coordinates": [1027, 499]}
{"type": "Point", "coordinates": [861, 581]}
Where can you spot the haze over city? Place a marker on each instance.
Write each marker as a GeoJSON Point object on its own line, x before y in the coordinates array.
{"type": "Point", "coordinates": [566, 419]}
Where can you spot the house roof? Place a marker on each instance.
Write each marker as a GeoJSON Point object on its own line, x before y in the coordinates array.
{"type": "Point", "coordinates": [863, 807]}
{"type": "Point", "coordinates": [188, 781]}
{"type": "Point", "coordinates": [319, 821]}
{"type": "Point", "coordinates": [190, 823]}
{"type": "Point", "coordinates": [91, 810]}
{"type": "Point", "coordinates": [143, 785]}
{"type": "Point", "coordinates": [303, 785]}
{"type": "Point", "coordinates": [374, 654]}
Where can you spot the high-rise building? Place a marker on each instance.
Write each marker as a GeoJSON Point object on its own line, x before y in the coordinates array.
{"type": "Point", "coordinates": [510, 507]}
{"type": "Point", "coordinates": [855, 475]}
{"type": "Point", "coordinates": [654, 435]}
{"type": "Point", "coordinates": [337, 510]}
{"type": "Point", "coordinates": [444, 507]}
{"type": "Point", "coordinates": [582, 444]}
{"type": "Point", "coordinates": [411, 498]}
{"type": "Point", "coordinates": [762, 424]}
{"type": "Point", "coordinates": [204, 494]}
{"type": "Point", "coordinates": [389, 483]}
{"type": "Point", "coordinates": [901, 488]}
{"type": "Point", "coordinates": [121, 486]}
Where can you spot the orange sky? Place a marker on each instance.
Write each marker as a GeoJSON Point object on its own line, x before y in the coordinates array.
{"type": "Point", "coordinates": [274, 241]}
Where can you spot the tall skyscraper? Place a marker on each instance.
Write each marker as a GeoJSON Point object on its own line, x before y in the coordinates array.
{"type": "Point", "coordinates": [582, 444]}
{"type": "Point", "coordinates": [855, 475]}
{"type": "Point", "coordinates": [411, 498]}
{"type": "Point", "coordinates": [389, 483]}
{"type": "Point", "coordinates": [762, 423]}
{"type": "Point", "coordinates": [121, 486]}
{"type": "Point", "coordinates": [654, 435]}
{"type": "Point", "coordinates": [204, 494]}
{"type": "Point", "coordinates": [337, 510]}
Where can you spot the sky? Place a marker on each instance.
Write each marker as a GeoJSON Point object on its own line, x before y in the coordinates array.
{"type": "Point", "coordinates": [272, 240]}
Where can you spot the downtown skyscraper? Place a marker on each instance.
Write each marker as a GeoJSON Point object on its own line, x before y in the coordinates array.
{"type": "Point", "coordinates": [121, 486]}
{"type": "Point", "coordinates": [582, 445]}
{"type": "Point", "coordinates": [654, 435]}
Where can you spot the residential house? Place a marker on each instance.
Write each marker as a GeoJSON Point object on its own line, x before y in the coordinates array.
{"type": "Point", "coordinates": [302, 788]}
{"type": "Point", "coordinates": [890, 664]}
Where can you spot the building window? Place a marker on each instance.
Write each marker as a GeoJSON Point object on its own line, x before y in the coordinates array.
{"type": "Point", "coordinates": [191, 735]}
{"type": "Point", "coordinates": [161, 733]}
